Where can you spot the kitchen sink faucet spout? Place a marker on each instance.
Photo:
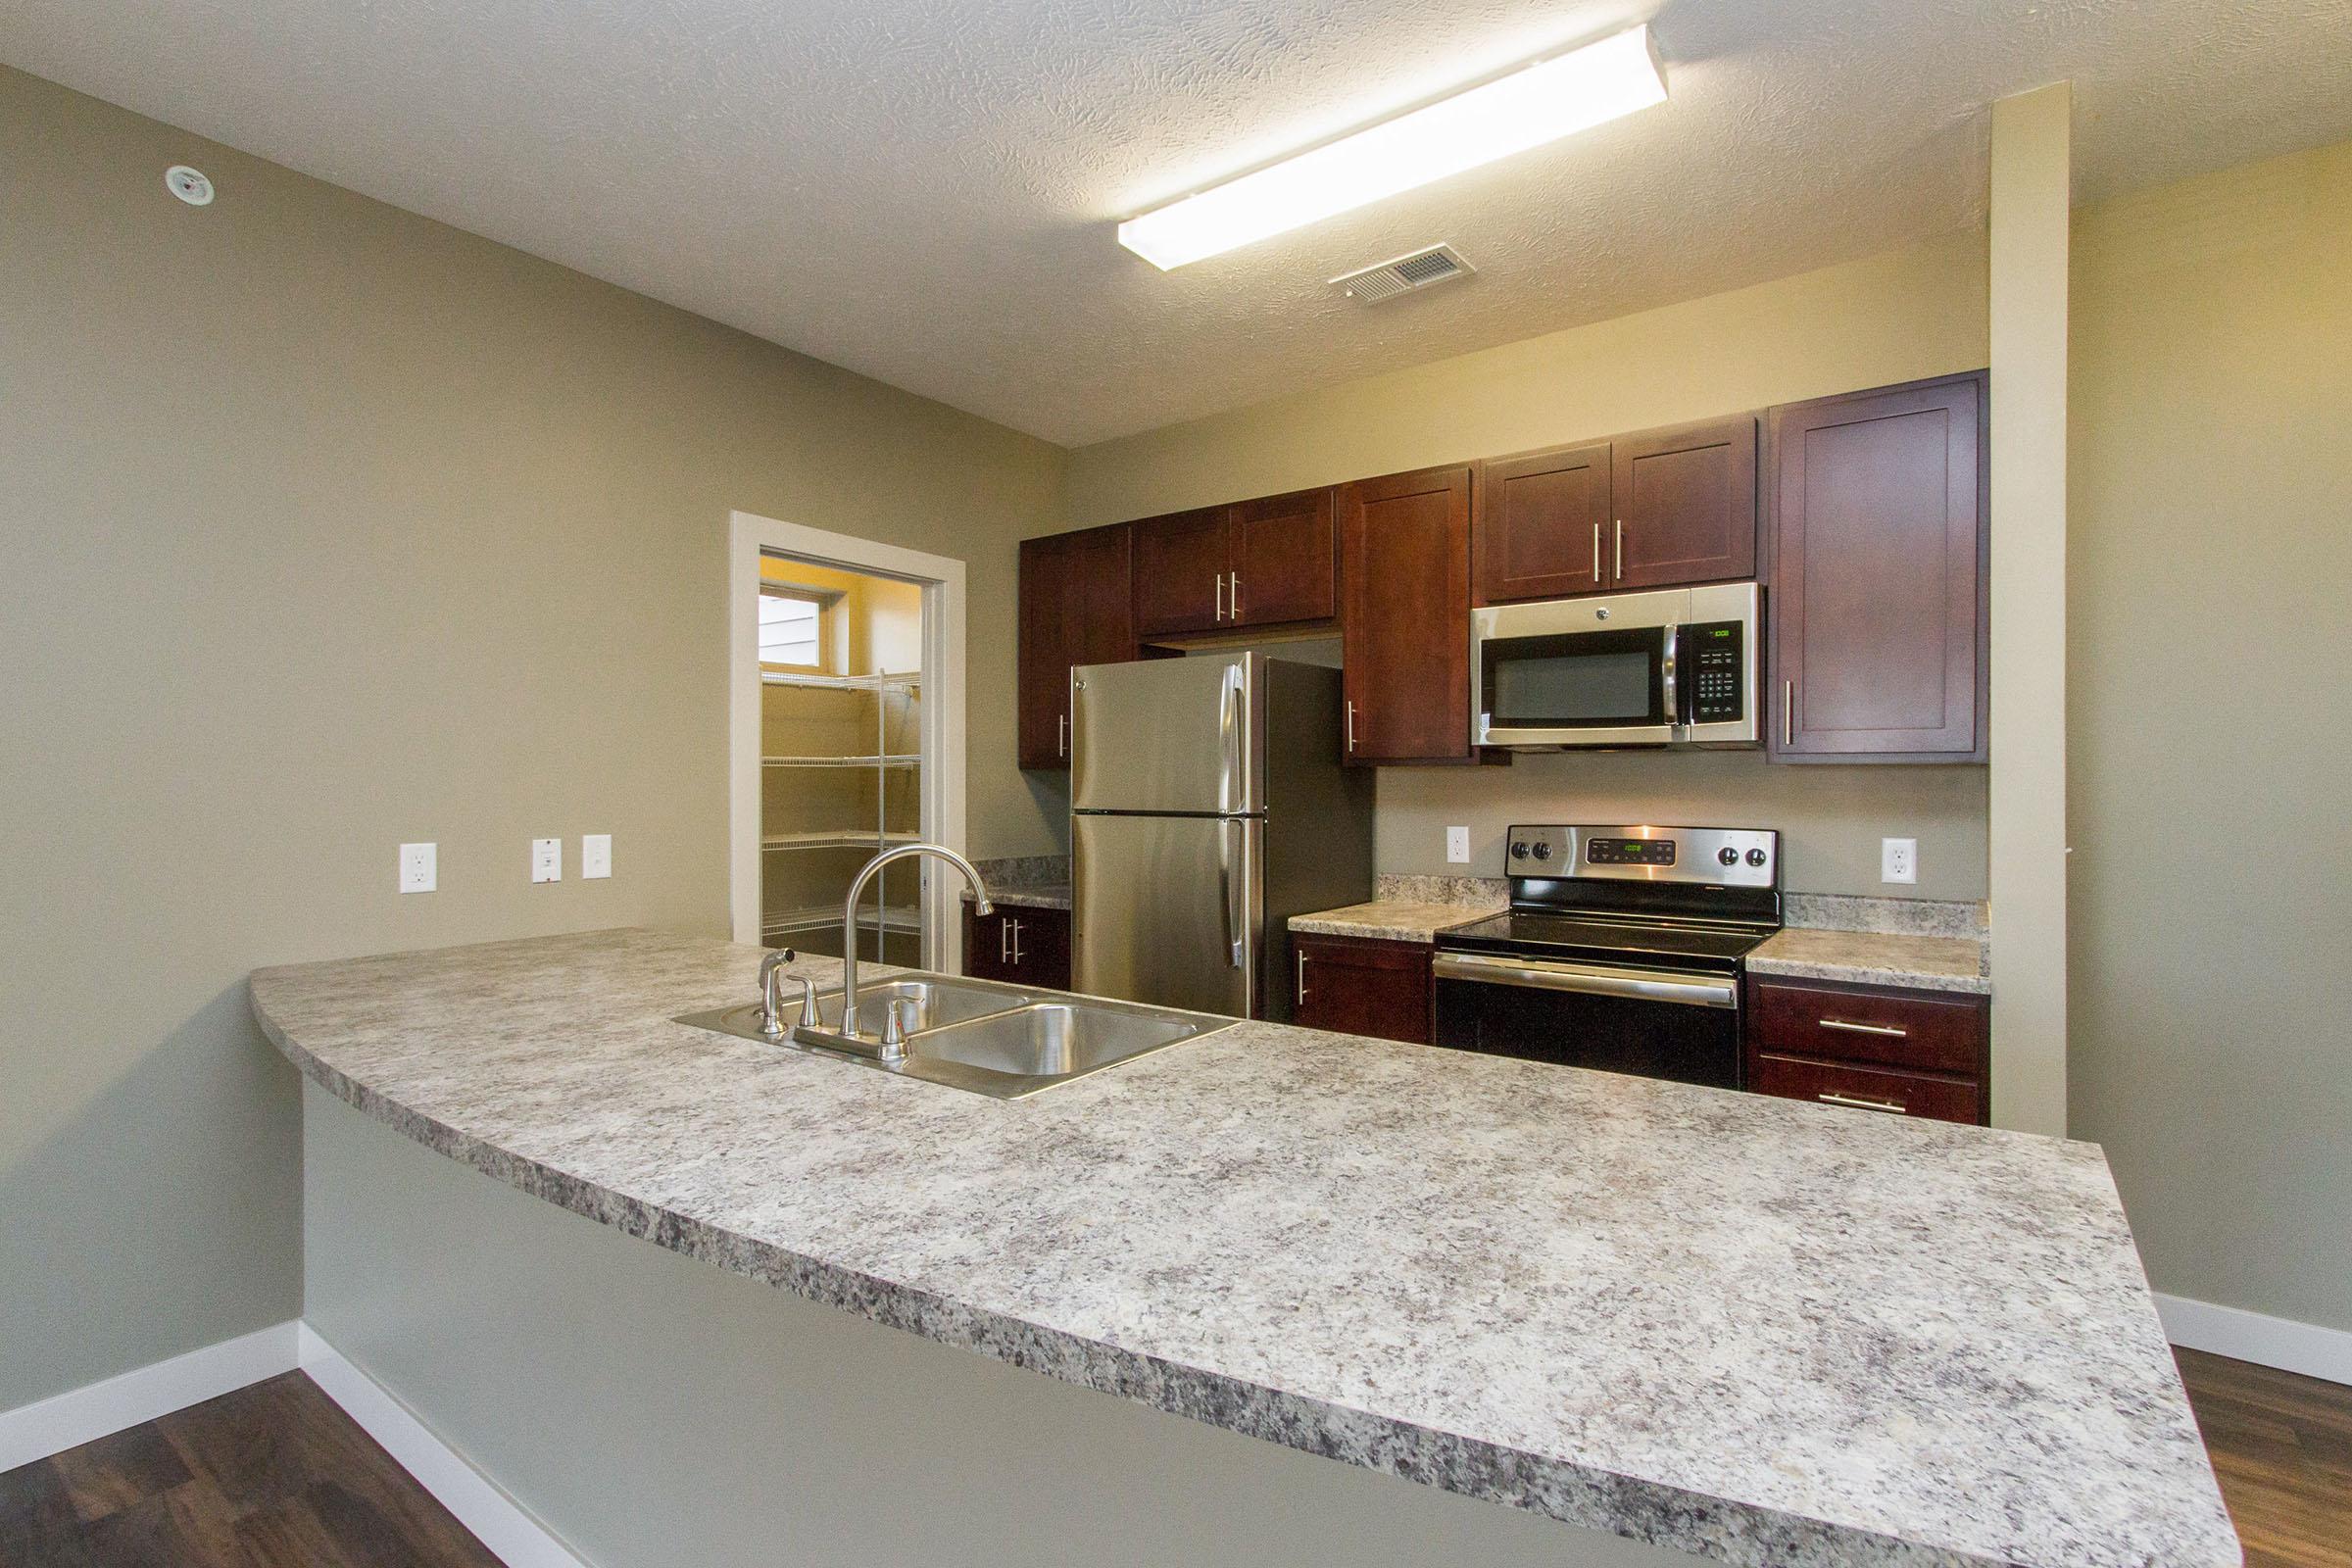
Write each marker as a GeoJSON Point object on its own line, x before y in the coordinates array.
{"type": "Point", "coordinates": [849, 916]}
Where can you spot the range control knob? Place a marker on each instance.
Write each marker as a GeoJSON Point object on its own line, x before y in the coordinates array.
{"type": "Point", "coordinates": [1728, 855]}
{"type": "Point", "coordinates": [1755, 857]}
{"type": "Point", "coordinates": [1542, 851]}
{"type": "Point", "coordinates": [1519, 850]}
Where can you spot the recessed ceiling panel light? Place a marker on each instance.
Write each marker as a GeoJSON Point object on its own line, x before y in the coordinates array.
{"type": "Point", "coordinates": [1532, 105]}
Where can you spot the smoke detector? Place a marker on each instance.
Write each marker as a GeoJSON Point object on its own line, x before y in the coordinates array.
{"type": "Point", "coordinates": [1403, 273]}
{"type": "Point", "coordinates": [188, 185]}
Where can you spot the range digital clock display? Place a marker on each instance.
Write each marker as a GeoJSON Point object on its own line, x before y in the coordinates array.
{"type": "Point", "coordinates": [1629, 851]}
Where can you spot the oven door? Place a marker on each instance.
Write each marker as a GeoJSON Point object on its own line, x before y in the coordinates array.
{"type": "Point", "coordinates": [1655, 1023]}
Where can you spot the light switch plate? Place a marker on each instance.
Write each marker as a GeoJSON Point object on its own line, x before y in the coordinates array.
{"type": "Point", "coordinates": [596, 855]}
{"type": "Point", "coordinates": [419, 871]}
{"type": "Point", "coordinates": [1457, 846]}
{"type": "Point", "coordinates": [547, 860]}
{"type": "Point", "coordinates": [1898, 859]}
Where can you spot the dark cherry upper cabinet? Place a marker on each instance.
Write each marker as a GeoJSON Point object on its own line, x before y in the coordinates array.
{"type": "Point", "coordinates": [1285, 560]}
{"type": "Point", "coordinates": [1404, 616]}
{"type": "Point", "coordinates": [1180, 565]}
{"type": "Point", "coordinates": [1878, 608]}
{"type": "Point", "coordinates": [1075, 609]}
{"type": "Point", "coordinates": [1543, 525]}
{"type": "Point", "coordinates": [1254, 564]}
{"type": "Point", "coordinates": [1685, 505]}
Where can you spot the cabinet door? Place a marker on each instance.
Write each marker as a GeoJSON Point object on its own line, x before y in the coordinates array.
{"type": "Point", "coordinates": [1040, 945]}
{"type": "Point", "coordinates": [1544, 527]}
{"type": "Point", "coordinates": [1075, 609]}
{"type": "Point", "coordinates": [1685, 505]}
{"type": "Point", "coordinates": [1044, 696]}
{"type": "Point", "coordinates": [1878, 581]}
{"type": "Point", "coordinates": [988, 945]}
{"type": "Point", "coordinates": [1404, 616]}
{"type": "Point", "coordinates": [1354, 987]}
{"type": "Point", "coordinates": [1285, 560]}
{"type": "Point", "coordinates": [1180, 567]}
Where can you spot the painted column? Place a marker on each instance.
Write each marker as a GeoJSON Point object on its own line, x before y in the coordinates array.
{"type": "Point", "coordinates": [2032, 174]}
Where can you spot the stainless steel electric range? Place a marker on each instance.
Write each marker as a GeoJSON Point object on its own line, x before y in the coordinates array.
{"type": "Point", "coordinates": [1622, 950]}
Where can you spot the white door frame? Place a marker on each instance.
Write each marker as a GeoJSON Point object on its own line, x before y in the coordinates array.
{"type": "Point", "coordinates": [750, 536]}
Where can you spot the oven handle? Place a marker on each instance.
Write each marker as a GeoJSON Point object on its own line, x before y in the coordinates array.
{"type": "Point", "coordinates": [1547, 974]}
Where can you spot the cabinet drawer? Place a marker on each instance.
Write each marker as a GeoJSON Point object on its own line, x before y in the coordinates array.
{"type": "Point", "coordinates": [1872, 1089]}
{"type": "Point", "coordinates": [1911, 1029]}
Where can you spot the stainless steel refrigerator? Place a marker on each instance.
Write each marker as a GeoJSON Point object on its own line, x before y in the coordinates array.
{"type": "Point", "coordinates": [1208, 803]}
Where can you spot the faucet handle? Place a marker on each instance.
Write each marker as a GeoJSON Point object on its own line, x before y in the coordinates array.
{"type": "Point", "coordinates": [808, 1013]}
{"type": "Point", "coordinates": [894, 1029]}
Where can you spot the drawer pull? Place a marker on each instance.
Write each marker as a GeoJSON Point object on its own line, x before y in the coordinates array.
{"type": "Point", "coordinates": [1887, 1029]}
{"type": "Point", "coordinates": [1893, 1107]}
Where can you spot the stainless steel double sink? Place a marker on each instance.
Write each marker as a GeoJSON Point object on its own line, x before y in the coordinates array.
{"type": "Point", "coordinates": [979, 1034]}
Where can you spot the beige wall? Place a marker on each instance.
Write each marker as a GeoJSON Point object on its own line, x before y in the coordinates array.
{"type": "Point", "coordinates": [2210, 728]}
{"type": "Point", "coordinates": [1909, 313]}
{"type": "Point", "coordinates": [328, 527]}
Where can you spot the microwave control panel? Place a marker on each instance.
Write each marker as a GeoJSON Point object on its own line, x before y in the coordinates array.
{"type": "Point", "coordinates": [1718, 670]}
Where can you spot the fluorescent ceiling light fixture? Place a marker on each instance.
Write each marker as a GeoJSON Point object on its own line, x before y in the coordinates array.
{"type": "Point", "coordinates": [1532, 105]}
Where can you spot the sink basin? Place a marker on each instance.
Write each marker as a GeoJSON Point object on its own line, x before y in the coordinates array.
{"type": "Point", "coordinates": [981, 1035]}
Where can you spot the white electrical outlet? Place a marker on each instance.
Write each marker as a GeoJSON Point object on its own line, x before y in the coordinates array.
{"type": "Point", "coordinates": [418, 873]}
{"type": "Point", "coordinates": [596, 855]}
{"type": "Point", "coordinates": [1898, 859]}
{"type": "Point", "coordinates": [547, 860]}
{"type": "Point", "coordinates": [1457, 846]}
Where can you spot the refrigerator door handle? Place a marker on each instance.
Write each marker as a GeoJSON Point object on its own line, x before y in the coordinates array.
{"type": "Point", "coordinates": [1229, 736]}
{"type": "Point", "coordinates": [1231, 886]}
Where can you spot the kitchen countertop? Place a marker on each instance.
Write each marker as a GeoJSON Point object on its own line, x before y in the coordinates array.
{"type": "Point", "coordinates": [1043, 896]}
{"type": "Point", "coordinates": [1748, 1327]}
{"type": "Point", "coordinates": [1876, 957]}
{"type": "Point", "coordinates": [1392, 919]}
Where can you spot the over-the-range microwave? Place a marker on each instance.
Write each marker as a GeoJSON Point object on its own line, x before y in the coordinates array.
{"type": "Point", "coordinates": [1673, 668]}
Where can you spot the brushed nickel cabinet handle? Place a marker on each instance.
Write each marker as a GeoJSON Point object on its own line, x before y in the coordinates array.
{"type": "Point", "coordinates": [1621, 549]}
{"type": "Point", "coordinates": [1016, 944]}
{"type": "Point", "coordinates": [1596, 551]}
{"type": "Point", "coordinates": [1351, 726]}
{"type": "Point", "coordinates": [1232, 592]}
{"type": "Point", "coordinates": [1003, 939]}
{"type": "Point", "coordinates": [1892, 1108]}
{"type": "Point", "coordinates": [1061, 734]}
{"type": "Point", "coordinates": [1788, 713]}
{"type": "Point", "coordinates": [1887, 1029]}
{"type": "Point", "coordinates": [1303, 975]}
{"type": "Point", "coordinates": [1220, 595]}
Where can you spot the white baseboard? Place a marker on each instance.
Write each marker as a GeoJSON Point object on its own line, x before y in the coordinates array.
{"type": "Point", "coordinates": [2234, 1332]}
{"type": "Point", "coordinates": [67, 1420]}
{"type": "Point", "coordinates": [513, 1535]}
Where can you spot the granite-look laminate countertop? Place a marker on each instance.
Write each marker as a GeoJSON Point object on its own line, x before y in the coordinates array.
{"type": "Point", "coordinates": [1748, 1328]}
{"type": "Point", "coordinates": [1044, 896]}
{"type": "Point", "coordinates": [1392, 919]}
{"type": "Point", "coordinates": [1875, 958]}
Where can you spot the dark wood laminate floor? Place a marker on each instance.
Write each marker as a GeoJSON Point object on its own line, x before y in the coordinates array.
{"type": "Point", "coordinates": [277, 1475]}
{"type": "Point", "coordinates": [2281, 1446]}
{"type": "Point", "coordinates": [269, 1477]}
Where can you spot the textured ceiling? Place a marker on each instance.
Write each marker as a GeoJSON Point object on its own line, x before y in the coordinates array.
{"type": "Point", "coordinates": [924, 190]}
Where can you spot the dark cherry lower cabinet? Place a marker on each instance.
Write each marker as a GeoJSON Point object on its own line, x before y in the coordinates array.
{"type": "Point", "coordinates": [1076, 608]}
{"type": "Point", "coordinates": [1881, 1049]}
{"type": "Point", "coordinates": [1404, 616]}
{"type": "Point", "coordinates": [1018, 944]}
{"type": "Point", "coordinates": [1879, 614]}
{"type": "Point", "coordinates": [1356, 986]}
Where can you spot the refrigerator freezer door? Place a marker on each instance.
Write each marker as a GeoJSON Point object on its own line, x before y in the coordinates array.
{"type": "Point", "coordinates": [1168, 735]}
{"type": "Point", "coordinates": [1168, 910]}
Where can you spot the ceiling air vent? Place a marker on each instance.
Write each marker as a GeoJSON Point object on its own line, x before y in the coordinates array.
{"type": "Point", "coordinates": [1404, 274]}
